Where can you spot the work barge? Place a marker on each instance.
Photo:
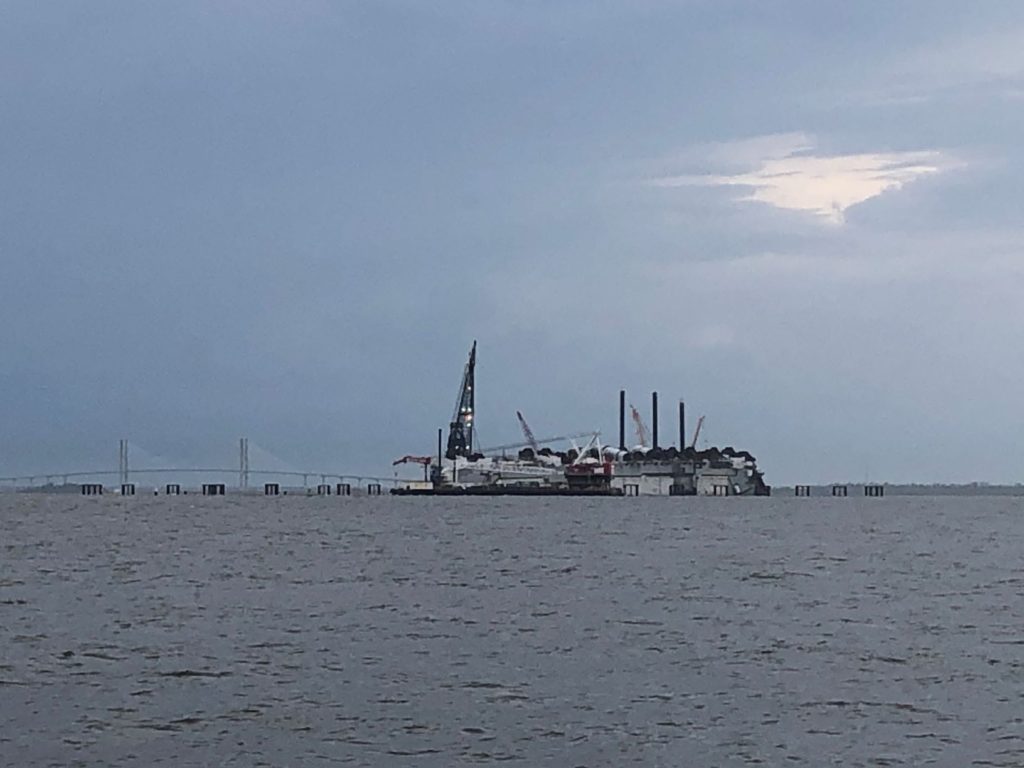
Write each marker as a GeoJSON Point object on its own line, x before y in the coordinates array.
{"type": "Point", "coordinates": [461, 468]}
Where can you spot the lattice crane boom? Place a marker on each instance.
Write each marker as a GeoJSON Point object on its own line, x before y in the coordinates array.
{"type": "Point", "coordinates": [643, 436]}
{"type": "Point", "coordinates": [696, 432]}
{"type": "Point", "coordinates": [460, 433]}
{"type": "Point", "coordinates": [527, 432]}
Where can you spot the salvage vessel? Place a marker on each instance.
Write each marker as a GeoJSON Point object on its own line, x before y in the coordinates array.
{"type": "Point", "coordinates": [593, 469]}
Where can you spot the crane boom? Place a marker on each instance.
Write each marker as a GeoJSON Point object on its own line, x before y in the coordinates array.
{"type": "Point", "coordinates": [527, 432]}
{"type": "Point", "coordinates": [544, 441]}
{"type": "Point", "coordinates": [425, 461]}
{"type": "Point", "coordinates": [696, 432]}
{"type": "Point", "coordinates": [461, 432]}
{"type": "Point", "coordinates": [412, 460]}
{"type": "Point", "coordinates": [642, 434]}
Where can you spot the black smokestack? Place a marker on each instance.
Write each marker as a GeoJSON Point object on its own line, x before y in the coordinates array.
{"type": "Point", "coordinates": [654, 426]}
{"type": "Point", "coordinates": [622, 419]}
{"type": "Point", "coordinates": [682, 425]}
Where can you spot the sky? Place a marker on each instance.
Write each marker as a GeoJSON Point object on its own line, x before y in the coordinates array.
{"type": "Point", "coordinates": [289, 221]}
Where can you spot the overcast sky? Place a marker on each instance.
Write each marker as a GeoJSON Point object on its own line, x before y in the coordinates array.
{"type": "Point", "coordinates": [290, 220]}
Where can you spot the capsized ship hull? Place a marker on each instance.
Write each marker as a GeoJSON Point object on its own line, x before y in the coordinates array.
{"type": "Point", "coordinates": [691, 473]}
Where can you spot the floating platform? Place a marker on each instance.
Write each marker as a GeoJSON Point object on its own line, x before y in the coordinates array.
{"type": "Point", "coordinates": [505, 490]}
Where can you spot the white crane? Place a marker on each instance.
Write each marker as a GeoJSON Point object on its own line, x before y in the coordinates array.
{"type": "Point", "coordinates": [696, 432]}
{"type": "Point", "coordinates": [527, 432]}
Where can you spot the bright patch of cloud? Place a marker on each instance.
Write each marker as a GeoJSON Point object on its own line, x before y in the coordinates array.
{"type": "Point", "coordinates": [789, 175]}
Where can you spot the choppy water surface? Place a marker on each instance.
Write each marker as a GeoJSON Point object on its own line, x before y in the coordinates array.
{"type": "Point", "coordinates": [598, 632]}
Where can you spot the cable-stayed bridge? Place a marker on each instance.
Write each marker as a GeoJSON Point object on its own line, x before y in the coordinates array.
{"type": "Point", "coordinates": [155, 467]}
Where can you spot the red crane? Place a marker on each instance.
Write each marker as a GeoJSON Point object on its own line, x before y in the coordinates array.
{"type": "Point", "coordinates": [424, 460]}
{"type": "Point", "coordinates": [641, 429]}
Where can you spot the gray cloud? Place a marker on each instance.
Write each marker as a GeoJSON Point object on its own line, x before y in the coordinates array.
{"type": "Point", "coordinates": [290, 221]}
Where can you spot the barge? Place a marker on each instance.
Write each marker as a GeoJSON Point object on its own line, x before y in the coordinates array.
{"type": "Point", "coordinates": [460, 468]}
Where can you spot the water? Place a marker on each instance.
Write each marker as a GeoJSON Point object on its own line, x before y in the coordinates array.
{"type": "Point", "coordinates": [597, 632]}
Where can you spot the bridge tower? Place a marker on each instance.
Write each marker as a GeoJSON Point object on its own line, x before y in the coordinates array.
{"type": "Point", "coordinates": [123, 461]}
{"type": "Point", "coordinates": [243, 462]}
